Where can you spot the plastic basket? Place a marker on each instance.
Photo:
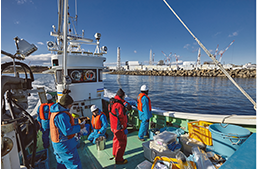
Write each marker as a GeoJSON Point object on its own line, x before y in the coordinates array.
{"type": "Point", "coordinates": [228, 138]}
{"type": "Point", "coordinates": [199, 130]}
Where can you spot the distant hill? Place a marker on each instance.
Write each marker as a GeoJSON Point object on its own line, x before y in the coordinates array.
{"type": "Point", "coordinates": [34, 69]}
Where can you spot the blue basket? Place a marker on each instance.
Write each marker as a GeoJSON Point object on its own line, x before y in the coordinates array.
{"type": "Point", "coordinates": [227, 138]}
{"type": "Point", "coordinates": [41, 159]}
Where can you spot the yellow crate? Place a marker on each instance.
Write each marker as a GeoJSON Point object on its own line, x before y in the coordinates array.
{"type": "Point", "coordinates": [199, 130]}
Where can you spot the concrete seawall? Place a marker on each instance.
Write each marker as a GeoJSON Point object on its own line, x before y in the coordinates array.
{"type": "Point", "coordinates": [242, 73]}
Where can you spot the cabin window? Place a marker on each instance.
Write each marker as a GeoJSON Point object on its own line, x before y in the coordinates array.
{"type": "Point", "coordinates": [59, 76]}
{"type": "Point", "coordinates": [82, 75]}
{"type": "Point", "coordinates": [55, 62]}
{"type": "Point", "coordinates": [100, 75]}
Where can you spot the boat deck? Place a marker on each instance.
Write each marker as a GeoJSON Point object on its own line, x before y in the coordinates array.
{"type": "Point", "coordinates": [91, 158]}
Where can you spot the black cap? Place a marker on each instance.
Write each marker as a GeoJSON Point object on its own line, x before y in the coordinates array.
{"type": "Point", "coordinates": [120, 92]}
{"type": "Point", "coordinates": [66, 100]}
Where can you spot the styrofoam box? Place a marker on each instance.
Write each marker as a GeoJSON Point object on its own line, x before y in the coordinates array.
{"type": "Point", "coordinates": [165, 138]}
{"type": "Point", "coordinates": [144, 165]}
{"type": "Point", "coordinates": [158, 147]}
{"type": "Point", "coordinates": [150, 154]}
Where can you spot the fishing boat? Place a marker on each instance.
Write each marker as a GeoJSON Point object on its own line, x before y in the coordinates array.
{"type": "Point", "coordinates": [81, 72]}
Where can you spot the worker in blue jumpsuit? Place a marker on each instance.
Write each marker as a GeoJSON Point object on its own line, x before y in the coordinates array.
{"type": "Point", "coordinates": [63, 129]}
{"type": "Point", "coordinates": [145, 112]}
{"type": "Point", "coordinates": [43, 116]}
{"type": "Point", "coordinates": [99, 124]}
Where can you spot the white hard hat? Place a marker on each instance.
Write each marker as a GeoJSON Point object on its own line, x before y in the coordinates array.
{"type": "Point", "coordinates": [48, 96]}
{"type": "Point", "coordinates": [144, 88]}
{"type": "Point", "coordinates": [93, 108]}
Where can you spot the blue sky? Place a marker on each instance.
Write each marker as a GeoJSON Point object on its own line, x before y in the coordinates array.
{"type": "Point", "coordinates": [136, 26]}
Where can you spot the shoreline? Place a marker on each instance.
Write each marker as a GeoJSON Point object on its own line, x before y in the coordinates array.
{"type": "Point", "coordinates": [24, 73]}
{"type": "Point", "coordinates": [238, 73]}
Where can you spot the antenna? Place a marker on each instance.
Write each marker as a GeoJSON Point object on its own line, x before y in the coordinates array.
{"type": "Point", "coordinates": [225, 50]}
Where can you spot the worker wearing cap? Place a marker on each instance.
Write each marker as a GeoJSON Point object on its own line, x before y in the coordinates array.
{"type": "Point", "coordinates": [99, 124]}
{"type": "Point", "coordinates": [144, 108]}
{"type": "Point", "coordinates": [43, 116]}
{"type": "Point", "coordinates": [118, 122]}
{"type": "Point", "coordinates": [63, 130]}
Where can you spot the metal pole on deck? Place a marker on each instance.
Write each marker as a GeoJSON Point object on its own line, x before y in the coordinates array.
{"type": "Point", "coordinates": [65, 25]}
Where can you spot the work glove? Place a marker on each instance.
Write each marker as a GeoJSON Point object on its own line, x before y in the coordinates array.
{"type": "Point", "coordinates": [125, 131]}
{"type": "Point", "coordinates": [129, 107]}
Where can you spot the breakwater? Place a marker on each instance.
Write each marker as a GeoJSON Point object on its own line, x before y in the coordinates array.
{"type": "Point", "coordinates": [241, 73]}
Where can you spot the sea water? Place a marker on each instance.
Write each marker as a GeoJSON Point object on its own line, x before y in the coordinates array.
{"type": "Point", "coordinates": [212, 95]}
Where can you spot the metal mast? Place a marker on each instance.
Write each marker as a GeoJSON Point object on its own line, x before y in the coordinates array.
{"type": "Point", "coordinates": [65, 25]}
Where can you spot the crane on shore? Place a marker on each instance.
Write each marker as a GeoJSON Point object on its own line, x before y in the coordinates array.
{"type": "Point", "coordinates": [222, 52]}
{"type": "Point", "coordinates": [176, 59]}
{"type": "Point", "coordinates": [216, 51]}
{"type": "Point", "coordinates": [167, 59]}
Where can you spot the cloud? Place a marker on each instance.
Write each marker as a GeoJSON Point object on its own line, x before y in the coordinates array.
{"type": "Point", "coordinates": [40, 43]}
{"type": "Point", "coordinates": [16, 22]}
{"type": "Point", "coordinates": [186, 46]}
{"type": "Point", "coordinates": [135, 51]}
{"type": "Point", "coordinates": [41, 59]}
{"type": "Point", "coordinates": [233, 34]}
{"type": "Point", "coordinates": [23, 1]}
{"type": "Point", "coordinates": [217, 33]}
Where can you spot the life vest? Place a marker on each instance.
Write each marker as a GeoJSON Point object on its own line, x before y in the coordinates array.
{"type": "Point", "coordinates": [41, 111]}
{"type": "Point", "coordinates": [140, 104]}
{"type": "Point", "coordinates": [118, 120]}
{"type": "Point", "coordinates": [96, 122]}
{"type": "Point", "coordinates": [54, 130]}
{"type": "Point", "coordinates": [112, 101]}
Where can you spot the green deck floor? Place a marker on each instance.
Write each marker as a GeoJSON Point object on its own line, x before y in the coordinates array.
{"type": "Point", "coordinates": [91, 158]}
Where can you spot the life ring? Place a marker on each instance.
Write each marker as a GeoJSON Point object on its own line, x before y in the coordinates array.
{"type": "Point", "coordinates": [89, 75]}
{"type": "Point", "coordinates": [75, 75]}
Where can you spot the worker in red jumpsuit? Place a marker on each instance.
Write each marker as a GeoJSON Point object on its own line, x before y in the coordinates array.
{"type": "Point", "coordinates": [118, 121]}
